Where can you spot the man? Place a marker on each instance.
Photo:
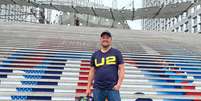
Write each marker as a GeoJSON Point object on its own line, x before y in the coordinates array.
{"type": "Point", "coordinates": [77, 22]}
{"type": "Point", "coordinates": [107, 71]}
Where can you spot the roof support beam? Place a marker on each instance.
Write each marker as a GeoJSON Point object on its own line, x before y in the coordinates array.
{"type": "Point", "coordinates": [187, 8]}
{"type": "Point", "coordinates": [133, 8]}
{"type": "Point", "coordinates": [94, 11]}
{"type": "Point", "coordinates": [112, 14]}
{"type": "Point", "coordinates": [54, 7]}
{"type": "Point", "coordinates": [14, 1]}
{"type": "Point", "coordinates": [159, 11]}
{"type": "Point", "coordinates": [133, 13]}
{"type": "Point", "coordinates": [75, 9]}
{"type": "Point", "coordinates": [33, 3]}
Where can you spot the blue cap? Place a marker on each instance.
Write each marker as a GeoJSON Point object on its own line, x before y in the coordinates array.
{"type": "Point", "coordinates": [106, 33]}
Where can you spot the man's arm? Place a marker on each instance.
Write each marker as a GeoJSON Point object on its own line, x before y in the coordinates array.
{"type": "Point", "coordinates": [121, 76]}
{"type": "Point", "coordinates": [90, 80]}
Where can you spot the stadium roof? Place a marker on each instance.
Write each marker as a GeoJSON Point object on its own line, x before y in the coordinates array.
{"type": "Point", "coordinates": [167, 11]}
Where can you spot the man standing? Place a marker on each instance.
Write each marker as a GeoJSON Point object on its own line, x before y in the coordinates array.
{"type": "Point", "coordinates": [107, 71]}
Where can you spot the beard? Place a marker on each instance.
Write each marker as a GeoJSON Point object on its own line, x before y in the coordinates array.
{"type": "Point", "coordinates": [105, 46]}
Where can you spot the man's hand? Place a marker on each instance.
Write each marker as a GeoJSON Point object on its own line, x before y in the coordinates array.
{"type": "Point", "coordinates": [88, 92]}
{"type": "Point", "coordinates": [121, 77]}
{"type": "Point", "coordinates": [90, 79]}
{"type": "Point", "coordinates": [117, 87]}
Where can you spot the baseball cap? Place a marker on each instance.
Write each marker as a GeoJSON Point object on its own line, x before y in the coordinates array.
{"type": "Point", "coordinates": [106, 33]}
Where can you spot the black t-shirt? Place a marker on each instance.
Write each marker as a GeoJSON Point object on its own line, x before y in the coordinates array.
{"type": "Point", "coordinates": [106, 68]}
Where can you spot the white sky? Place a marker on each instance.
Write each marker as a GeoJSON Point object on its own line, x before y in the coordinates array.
{"type": "Point", "coordinates": [121, 3]}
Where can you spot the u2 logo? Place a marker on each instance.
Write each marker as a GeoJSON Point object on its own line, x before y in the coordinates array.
{"type": "Point", "coordinates": [109, 60]}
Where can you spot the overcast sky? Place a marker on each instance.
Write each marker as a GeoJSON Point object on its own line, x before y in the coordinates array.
{"type": "Point", "coordinates": [121, 3]}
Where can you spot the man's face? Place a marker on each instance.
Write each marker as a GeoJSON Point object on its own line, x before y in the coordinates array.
{"type": "Point", "coordinates": [106, 41]}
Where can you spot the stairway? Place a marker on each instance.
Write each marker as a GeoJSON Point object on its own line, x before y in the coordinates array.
{"type": "Point", "coordinates": [29, 74]}
{"type": "Point", "coordinates": [49, 62]}
{"type": "Point", "coordinates": [39, 74]}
